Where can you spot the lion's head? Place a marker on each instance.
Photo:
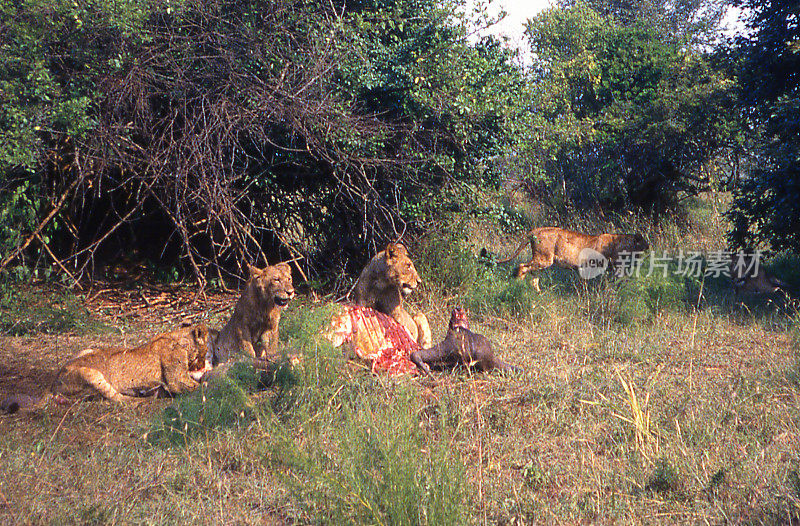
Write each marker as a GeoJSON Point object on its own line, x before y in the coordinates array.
{"type": "Point", "coordinates": [200, 338]}
{"type": "Point", "coordinates": [272, 283]}
{"type": "Point", "coordinates": [631, 243]}
{"type": "Point", "coordinates": [400, 270]}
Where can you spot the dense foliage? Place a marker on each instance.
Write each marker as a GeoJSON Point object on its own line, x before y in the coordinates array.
{"type": "Point", "coordinates": [219, 132]}
{"type": "Point", "coordinates": [629, 111]}
{"type": "Point", "coordinates": [767, 206]}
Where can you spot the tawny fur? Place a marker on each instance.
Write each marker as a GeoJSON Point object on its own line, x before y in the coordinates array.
{"type": "Point", "coordinates": [256, 315]}
{"type": "Point", "coordinates": [174, 361]}
{"type": "Point", "coordinates": [461, 346]}
{"type": "Point", "coordinates": [553, 245]}
{"type": "Point", "coordinates": [747, 279]}
{"type": "Point", "coordinates": [388, 277]}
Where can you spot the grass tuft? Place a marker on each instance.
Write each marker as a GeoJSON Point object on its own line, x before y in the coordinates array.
{"type": "Point", "coordinates": [24, 311]}
{"type": "Point", "coordinates": [223, 404]}
{"type": "Point", "coordinates": [664, 479]}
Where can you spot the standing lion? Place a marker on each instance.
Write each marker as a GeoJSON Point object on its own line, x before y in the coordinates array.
{"type": "Point", "coordinates": [388, 277]}
{"type": "Point", "coordinates": [553, 245]}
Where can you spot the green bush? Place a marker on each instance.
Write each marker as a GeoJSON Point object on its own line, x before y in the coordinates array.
{"type": "Point", "coordinates": [451, 269]}
{"type": "Point", "coordinates": [501, 295]}
{"type": "Point", "coordinates": [639, 298]}
{"type": "Point", "coordinates": [446, 264]}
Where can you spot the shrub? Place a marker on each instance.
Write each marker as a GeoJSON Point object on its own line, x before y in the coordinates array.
{"type": "Point", "coordinates": [500, 295]}
{"type": "Point", "coordinates": [641, 297]}
{"type": "Point", "coordinates": [451, 269]}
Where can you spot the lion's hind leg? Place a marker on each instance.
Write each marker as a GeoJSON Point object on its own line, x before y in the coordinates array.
{"type": "Point", "coordinates": [87, 381]}
{"type": "Point", "coordinates": [538, 262]}
{"type": "Point", "coordinates": [525, 268]}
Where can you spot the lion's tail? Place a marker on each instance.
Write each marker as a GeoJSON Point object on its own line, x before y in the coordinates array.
{"type": "Point", "coordinates": [24, 402]}
{"type": "Point", "coordinates": [516, 252]}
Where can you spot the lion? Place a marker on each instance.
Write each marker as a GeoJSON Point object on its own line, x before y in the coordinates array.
{"type": "Point", "coordinates": [256, 315]}
{"type": "Point", "coordinates": [748, 277]}
{"type": "Point", "coordinates": [551, 245]}
{"type": "Point", "coordinates": [174, 361]}
{"type": "Point", "coordinates": [388, 277]}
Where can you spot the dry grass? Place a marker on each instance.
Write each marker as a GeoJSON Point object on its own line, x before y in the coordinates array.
{"type": "Point", "coordinates": [685, 415]}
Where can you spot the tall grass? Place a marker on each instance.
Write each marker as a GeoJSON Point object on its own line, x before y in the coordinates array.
{"type": "Point", "coordinates": [363, 456]}
{"type": "Point", "coordinates": [365, 459]}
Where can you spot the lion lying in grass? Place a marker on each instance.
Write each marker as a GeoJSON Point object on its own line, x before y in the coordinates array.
{"type": "Point", "coordinates": [553, 245]}
{"type": "Point", "coordinates": [174, 361]}
{"type": "Point", "coordinates": [385, 281]}
{"type": "Point", "coordinates": [749, 278]}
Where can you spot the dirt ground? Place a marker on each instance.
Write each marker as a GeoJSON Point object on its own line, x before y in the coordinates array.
{"type": "Point", "coordinates": [29, 364]}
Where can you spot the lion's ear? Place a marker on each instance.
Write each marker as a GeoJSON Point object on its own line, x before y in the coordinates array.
{"type": "Point", "coordinates": [285, 267]}
{"type": "Point", "coordinates": [391, 250]}
{"type": "Point", "coordinates": [253, 271]}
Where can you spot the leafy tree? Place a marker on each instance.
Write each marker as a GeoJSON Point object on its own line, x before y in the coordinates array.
{"type": "Point", "coordinates": [767, 204]}
{"type": "Point", "coordinates": [52, 54]}
{"type": "Point", "coordinates": [626, 117]}
{"type": "Point", "coordinates": [216, 133]}
{"type": "Point", "coordinates": [692, 20]}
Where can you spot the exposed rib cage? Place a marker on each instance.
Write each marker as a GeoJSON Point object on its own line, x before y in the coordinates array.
{"type": "Point", "coordinates": [375, 337]}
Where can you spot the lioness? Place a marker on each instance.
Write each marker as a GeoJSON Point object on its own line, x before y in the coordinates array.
{"type": "Point", "coordinates": [563, 247]}
{"type": "Point", "coordinates": [388, 277]}
{"type": "Point", "coordinates": [257, 314]}
{"type": "Point", "coordinates": [749, 278]}
{"type": "Point", "coordinates": [175, 361]}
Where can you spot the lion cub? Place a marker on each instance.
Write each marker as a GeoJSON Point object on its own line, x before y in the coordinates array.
{"type": "Point", "coordinates": [747, 281]}
{"type": "Point", "coordinates": [175, 361]}
{"type": "Point", "coordinates": [257, 314]}
{"type": "Point", "coordinates": [388, 277]}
